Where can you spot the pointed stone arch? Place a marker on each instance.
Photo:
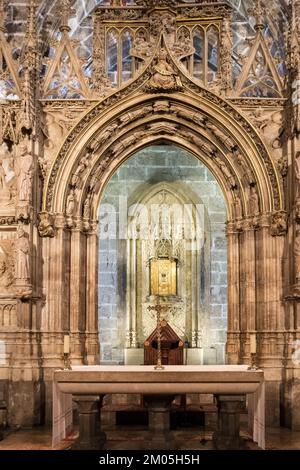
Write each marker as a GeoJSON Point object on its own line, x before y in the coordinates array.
{"type": "Point", "coordinates": [115, 128]}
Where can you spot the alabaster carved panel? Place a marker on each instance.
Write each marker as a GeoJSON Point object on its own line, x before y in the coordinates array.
{"type": "Point", "coordinates": [7, 263]}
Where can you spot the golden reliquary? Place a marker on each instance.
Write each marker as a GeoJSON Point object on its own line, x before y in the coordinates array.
{"type": "Point", "coordinates": [163, 274]}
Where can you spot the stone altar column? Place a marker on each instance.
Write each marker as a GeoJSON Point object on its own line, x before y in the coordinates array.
{"type": "Point", "coordinates": [159, 422]}
{"type": "Point", "coordinates": [90, 435]}
{"type": "Point", "coordinates": [227, 436]}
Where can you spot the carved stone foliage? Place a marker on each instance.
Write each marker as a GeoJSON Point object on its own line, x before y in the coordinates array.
{"type": "Point", "coordinates": [57, 121]}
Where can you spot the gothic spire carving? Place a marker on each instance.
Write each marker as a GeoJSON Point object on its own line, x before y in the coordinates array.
{"type": "Point", "coordinates": [294, 35]}
{"type": "Point", "coordinates": [9, 80]}
{"type": "Point", "coordinates": [65, 77]}
{"type": "Point", "coordinates": [29, 64]}
{"type": "Point", "coordinates": [259, 76]}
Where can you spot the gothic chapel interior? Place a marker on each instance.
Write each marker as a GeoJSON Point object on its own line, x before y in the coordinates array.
{"type": "Point", "coordinates": [111, 108]}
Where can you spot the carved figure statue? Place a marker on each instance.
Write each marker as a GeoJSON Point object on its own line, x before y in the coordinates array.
{"type": "Point", "coordinates": [25, 172]}
{"type": "Point", "coordinates": [164, 77]}
{"type": "Point", "coordinates": [253, 201]}
{"type": "Point", "coordinates": [71, 204]}
{"type": "Point", "coordinates": [22, 250]}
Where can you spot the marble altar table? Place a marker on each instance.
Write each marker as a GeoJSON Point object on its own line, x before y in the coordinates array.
{"type": "Point", "coordinates": [87, 385]}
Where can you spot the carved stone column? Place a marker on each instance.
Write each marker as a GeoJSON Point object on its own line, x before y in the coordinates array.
{"type": "Point", "coordinates": [227, 436]}
{"type": "Point", "coordinates": [77, 290]}
{"type": "Point", "coordinates": [159, 422]}
{"type": "Point", "coordinates": [92, 341]}
{"type": "Point", "coordinates": [247, 285]}
{"type": "Point", "coordinates": [233, 340]}
{"type": "Point", "coordinates": [90, 435]}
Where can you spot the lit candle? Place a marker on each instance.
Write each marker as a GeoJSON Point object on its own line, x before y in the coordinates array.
{"type": "Point", "coordinates": [253, 343]}
{"type": "Point", "coordinates": [66, 344]}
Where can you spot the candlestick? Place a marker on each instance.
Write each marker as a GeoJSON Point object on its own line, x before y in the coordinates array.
{"type": "Point", "coordinates": [67, 362]}
{"type": "Point", "coordinates": [253, 365]}
{"type": "Point", "coordinates": [158, 309]}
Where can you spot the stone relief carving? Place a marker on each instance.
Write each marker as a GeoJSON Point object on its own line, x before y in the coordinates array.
{"type": "Point", "coordinates": [142, 49]}
{"type": "Point", "coordinates": [83, 165]}
{"type": "Point", "coordinates": [183, 47]}
{"type": "Point", "coordinates": [162, 128]}
{"type": "Point", "coordinates": [162, 22]}
{"type": "Point", "coordinates": [226, 172]}
{"type": "Point", "coordinates": [6, 265]}
{"type": "Point", "coordinates": [247, 174]}
{"type": "Point", "coordinates": [279, 224]}
{"type": "Point", "coordinates": [46, 225]}
{"type": "Point", "coordinates": [134, 115]}
{"type": "Point", "coordinates": [164, 78]}
{"type": "Point", "coordinates": [221, 136]}
{"type": "Point", "coordinates": [104, 137]}
{"type": "Point", "coordinates": [197, 118]}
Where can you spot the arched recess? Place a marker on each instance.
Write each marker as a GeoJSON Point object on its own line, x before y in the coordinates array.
{"type": "Point", "coordinates": [216, 133]}
{"type": "Point", "coordinates": [175, 213]}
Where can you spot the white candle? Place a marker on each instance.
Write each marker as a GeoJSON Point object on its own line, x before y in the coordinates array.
{"type": "Point", "coordinates": [66, 344]}
{"type": "Point", "coordinates": [253, 343]}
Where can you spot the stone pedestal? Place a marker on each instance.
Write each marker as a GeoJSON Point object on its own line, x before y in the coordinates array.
{"type": "Point", "coordinates": [227, 436]}
{"type": "Point", "coordinates": [159, 437]}
{"type": "Point", "coordinates": [90, 435]}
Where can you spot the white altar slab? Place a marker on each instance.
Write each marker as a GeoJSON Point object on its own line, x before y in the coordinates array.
{"type": "Point", "coordinates": [102, 380]}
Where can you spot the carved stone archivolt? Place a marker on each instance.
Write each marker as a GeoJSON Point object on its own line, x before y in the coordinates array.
{"type": "Point", "coordinates": [198, 120]}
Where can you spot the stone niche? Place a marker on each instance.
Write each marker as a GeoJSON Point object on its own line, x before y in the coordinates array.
{"type": "Point", "coordinates": [175, 249]}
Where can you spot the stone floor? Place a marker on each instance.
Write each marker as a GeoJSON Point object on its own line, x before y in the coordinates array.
{"type": "Point", "coordinates": [129, 438]}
